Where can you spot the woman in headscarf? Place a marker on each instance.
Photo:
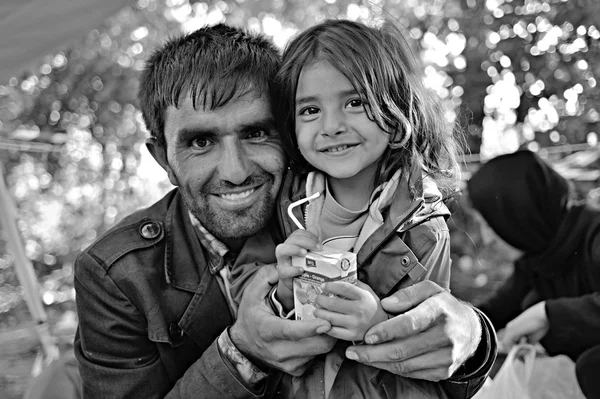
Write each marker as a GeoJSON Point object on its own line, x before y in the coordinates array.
{"type": "Point", "coordinates": [527, 204]}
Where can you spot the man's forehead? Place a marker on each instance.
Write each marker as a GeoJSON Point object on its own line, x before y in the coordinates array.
{"type": "Point", "coordinates": [245, 111]}
{"type": "Point", "coordinates": [208, 96]}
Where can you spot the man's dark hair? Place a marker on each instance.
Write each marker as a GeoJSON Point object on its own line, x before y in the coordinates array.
{"type": "Point", "coordinates": [214, 65]}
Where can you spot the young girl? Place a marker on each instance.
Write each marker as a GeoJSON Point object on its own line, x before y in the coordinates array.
{"type": "Point", "coordinates": [360, 129]}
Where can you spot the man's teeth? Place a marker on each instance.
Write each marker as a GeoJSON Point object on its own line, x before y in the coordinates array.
{"type": "Point", "coordinates": [337, 149]}
{"type": "Point", "coordinates": [238, 196]}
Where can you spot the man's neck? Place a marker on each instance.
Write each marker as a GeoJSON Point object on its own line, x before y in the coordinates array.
{"type": "Point", "coordinates": [234, 244]}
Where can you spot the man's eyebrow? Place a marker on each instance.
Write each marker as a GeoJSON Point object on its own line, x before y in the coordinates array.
{"type": "Point", "coordinates": [311, 99]}
{"type": "Point", "coordinates": [262, 124]}
{"type": "Point", "coordinates": [187, 133]}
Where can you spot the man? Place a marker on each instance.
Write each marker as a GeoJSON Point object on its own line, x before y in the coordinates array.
{"type": "Point", "coordinates": [156, 317]}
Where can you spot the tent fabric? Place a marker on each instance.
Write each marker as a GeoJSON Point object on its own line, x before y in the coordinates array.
{"type": "Point", "coordinates": [31, 29]}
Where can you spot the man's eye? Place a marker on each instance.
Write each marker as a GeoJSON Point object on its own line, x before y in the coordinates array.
{"type": "Point", "coordinates": [309, 111]}
{"type": "Point", "coordinates": [355, 102]}
{"type": "Point", "coordinates": [257, 134]}
{"type": "Point", "coordinates": [201, 143]}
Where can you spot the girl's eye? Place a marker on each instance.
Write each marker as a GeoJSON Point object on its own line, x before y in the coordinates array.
{"type": "Point", "coordinates": [354, 103]}
{"type": "Point", "coordinates": [201, 143]}
{"type": "Point", "coordinates": [309, 111]}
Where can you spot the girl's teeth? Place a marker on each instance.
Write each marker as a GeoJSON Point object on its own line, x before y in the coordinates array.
{"type": "Point", "coordinates": [336, 149]}
{"type": "Point", "coordinates": [238, 196]}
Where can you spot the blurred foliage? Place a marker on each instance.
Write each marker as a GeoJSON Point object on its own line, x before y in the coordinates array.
{"type": "Point", "coordinates": [515, 73]}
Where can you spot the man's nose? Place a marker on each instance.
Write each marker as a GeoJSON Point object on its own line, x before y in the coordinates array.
{"type": "Point", "coordinates": [334, 123]}
{"type": "Point", "coordinates": [234, 165]}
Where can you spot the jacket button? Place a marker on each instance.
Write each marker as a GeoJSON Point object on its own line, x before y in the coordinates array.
{"type": "Point", "coordinates": [404, 261]}
{"type": "Point", "coordinates": [150, 230]}
{"type": "Point", "coordinates": [175, 332]}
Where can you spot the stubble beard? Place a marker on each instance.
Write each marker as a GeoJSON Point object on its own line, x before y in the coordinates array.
{"type": "Point", "coordinates": [231, 225]}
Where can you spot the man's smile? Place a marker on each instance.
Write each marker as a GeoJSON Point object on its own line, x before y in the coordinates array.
{"type": "Point", "coordinates": [237, 196]}
{"type": "Point", "coordinates": [240, 198]}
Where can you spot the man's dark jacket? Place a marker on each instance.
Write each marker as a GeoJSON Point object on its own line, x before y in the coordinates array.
{"type": "Point", "coordinates": [150, 312]}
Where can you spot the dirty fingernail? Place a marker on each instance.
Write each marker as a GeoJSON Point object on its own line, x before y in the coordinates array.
{"type": "Point", "coordinates": [372, 339]}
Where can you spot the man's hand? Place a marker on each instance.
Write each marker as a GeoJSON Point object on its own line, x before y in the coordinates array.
{"type": "Point", "coordinates": [532, 324]}
{"type": "Point", "coordinates": [352, 311]}
{"type": "Point", "coordinates": [265, 338]}
{"type": "Point", "coordinates": [430, 340]}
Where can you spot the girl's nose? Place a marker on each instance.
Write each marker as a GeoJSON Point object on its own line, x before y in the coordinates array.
{"type": "Point", "coordinates": [333, 123]}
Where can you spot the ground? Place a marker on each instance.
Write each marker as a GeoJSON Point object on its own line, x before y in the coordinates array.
{"type": "Point", "coordinates": [21, 352]}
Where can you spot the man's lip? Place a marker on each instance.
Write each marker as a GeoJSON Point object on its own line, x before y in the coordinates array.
{"type": "Point", "coordinates": [239, 190]}
{"type": "Point", "coordinates": [255, 193]}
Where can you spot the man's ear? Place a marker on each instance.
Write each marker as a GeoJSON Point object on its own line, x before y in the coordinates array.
{"type": "Point", "coordinates": [159, 153]}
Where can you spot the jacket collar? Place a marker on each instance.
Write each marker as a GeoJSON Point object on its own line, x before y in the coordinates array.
{"type": "Point", "coordinates": [410, 198]}
{"type": "Point", "coordinates": [183, 268]}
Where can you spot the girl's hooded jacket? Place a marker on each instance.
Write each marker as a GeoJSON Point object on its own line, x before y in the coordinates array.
{"type": "Point", "coordinates": [527, 203]}
{"type": "Point", "coordinates": [404, 240]}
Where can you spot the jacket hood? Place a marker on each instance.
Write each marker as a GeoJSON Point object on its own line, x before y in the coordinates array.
{"type": "Point", "coordinates": [522, 198]}
{"type": "Point", "coordinates": [407, 198]}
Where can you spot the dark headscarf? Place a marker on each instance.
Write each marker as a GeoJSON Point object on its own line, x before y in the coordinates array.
{"type": "Point", "coordinates": [522, 198]}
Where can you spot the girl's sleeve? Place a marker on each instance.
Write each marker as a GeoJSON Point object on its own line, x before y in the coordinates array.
{"type": "Point", "coordinates": [430, 242]}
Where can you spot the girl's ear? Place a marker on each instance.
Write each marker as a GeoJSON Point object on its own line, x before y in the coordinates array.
{"type": "Point", "coordinates": [399, 142]}
{"type": "Point", "coordinates": [159, 153]}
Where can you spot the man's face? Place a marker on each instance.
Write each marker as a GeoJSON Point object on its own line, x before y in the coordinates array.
{"type": "Point", "coordinates": [228, 163]}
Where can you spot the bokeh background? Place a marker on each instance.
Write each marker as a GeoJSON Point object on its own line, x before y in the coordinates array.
{"type": "Point", "coordinates": [515, 74]}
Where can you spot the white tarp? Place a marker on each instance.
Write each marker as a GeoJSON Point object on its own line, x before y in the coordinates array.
{"type": "Point", "coordinates": [30, 29]}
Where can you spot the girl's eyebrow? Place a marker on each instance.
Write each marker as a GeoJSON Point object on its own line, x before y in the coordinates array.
{"type": "Point", "coordinates": [304, 100]}
{"type": "Point", "coordinates": [309, 99]}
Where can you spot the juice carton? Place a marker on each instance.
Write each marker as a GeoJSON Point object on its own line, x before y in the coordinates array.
{"type": "Point", "coordinates": [320, 267]}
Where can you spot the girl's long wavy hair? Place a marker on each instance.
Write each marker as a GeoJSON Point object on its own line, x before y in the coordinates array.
{"type": "Point", "coordinates": [383, 70]}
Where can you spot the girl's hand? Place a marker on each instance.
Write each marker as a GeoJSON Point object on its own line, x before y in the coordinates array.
{"type": "Point", "coordinates": [352, 312]}
{"type": "Point", "coordinates": [297, 244]}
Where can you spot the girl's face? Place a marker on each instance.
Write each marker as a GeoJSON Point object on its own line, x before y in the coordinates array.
{"type": "Point", "coordinates": [333, 131]}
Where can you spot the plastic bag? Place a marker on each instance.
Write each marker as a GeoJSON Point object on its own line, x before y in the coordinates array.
{"type": "Point", "coordinates": [525, 376]}
{"type": "Point", "coordinates": [512, 381]}
{"type": "Point", "coordinates": [554, 378]}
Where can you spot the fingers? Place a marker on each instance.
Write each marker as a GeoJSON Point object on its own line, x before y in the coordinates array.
{"type": "Point", "coordinates": [408, 298]}
{"type": "Point", "coordinates": [343, 289]}
{"type": "Point", "coordinates": [288, 272]}
{"type": "Point", "coordinates": [405, 325]}
{"type": "Point", "coordinates": [297, 244]}
{"type": "Point", "coordinates": [306, 347]}
{"type": "Point", "coordinates": [293, 330]}
{"type": "Point", "coordinates": [401, 350]}
{"type": "Point", "coordinates": [334, 318]}
{"type": "Point", "coordinates": [302, 239]}
{"type": "Point", "coordinates": [294, 357]}
{"type": "Point", "coordinates": [335, 304]}
{"type": "Point", "coordinates": [283, 252]}
{"type": "Point", "coordinates": [342, 333]}
{"type": "Point", "coordinates": [260, 285]}
{"type": "Point", "coordinates": [433, 366]}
